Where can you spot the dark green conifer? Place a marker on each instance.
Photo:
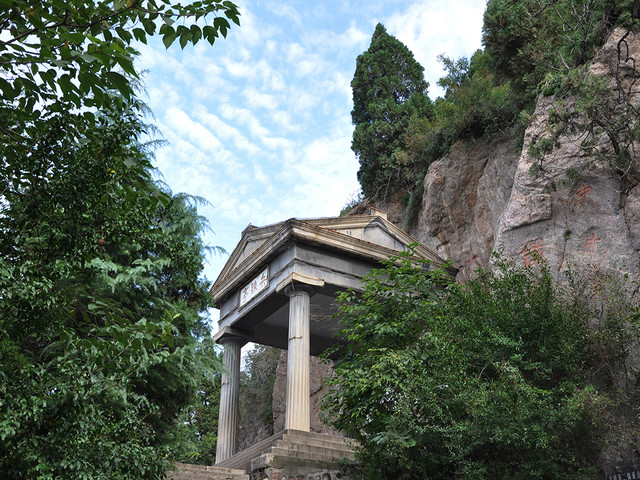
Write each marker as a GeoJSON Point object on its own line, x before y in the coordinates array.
{"type": "Point", "coordinates": [388, 88]}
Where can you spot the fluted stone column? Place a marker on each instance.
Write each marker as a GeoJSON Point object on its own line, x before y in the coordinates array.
{"type": "Point", "coordinates": [298, 413]}
{"type": "Point", "coordinates": [228, 415]}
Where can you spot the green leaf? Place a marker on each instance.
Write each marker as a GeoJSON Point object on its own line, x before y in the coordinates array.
{"type": "Point", "coordinates": [140, 35]}
{"type": "Point", "coordinates": [209, 33]}
{"type": "Point", "coordinates": [168, 35]}
{"type": "Point", "coordinates": [8, 91]}
{"type": "Point", "coordinates": [185, 38]}
{"type": "Point", "coordinates": [222, 25]}
{"type": "Point", "coordinates": [120, 82]}
{"type": "Point", "coordinates": [149, 26]}
{"type": "Point", "coordinates": [196, 34]}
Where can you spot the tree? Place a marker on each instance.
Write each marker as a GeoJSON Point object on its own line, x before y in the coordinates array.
{"type": "Point", "coordinates": [388, 89]}
{"type": "Point", "coordinates": [101, 304]}
{"type": "Point", "coordinates": [58, 56]}
{"type": "Point", "coordinates": [100, 308]}
{"type": "Point", "coordinates": [256, 395]}
{"type": "Point", "coordinates": [511, 376]}
{"type": "Point", "coordinates": [197, 431]}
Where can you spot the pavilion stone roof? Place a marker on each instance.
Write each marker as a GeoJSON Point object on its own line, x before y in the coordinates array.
{"type": "Point", "coordinates": [370, 236]}
{"type": "Point", "coordinates": [328, 254]}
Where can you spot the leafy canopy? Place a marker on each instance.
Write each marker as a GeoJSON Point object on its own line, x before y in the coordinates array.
{"type": "Point", "coordinates": [101, 304]}
{"type": "Point", "coordinates": [507, 377]}
{"type": "Point", "coordinates": [100, 308]}
{"type": "Point", "coordinates": [60, 55]}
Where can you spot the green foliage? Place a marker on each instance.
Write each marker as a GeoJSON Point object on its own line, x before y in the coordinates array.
{"type": "Point", "coordinates": [511, 376]}
{"type": "Point", "coordinates": [196, 433]}
{"type": "Point", "coordinates": [388, 90]}
{"type": "Point", "coordinates": [100, 305]}
{"type": "Point", "coordinates": [599, 113]}
{"type": "Point", "coordinates": [527, 39]}
{"type": "Point", "coordinates": [58, 56]}
{"type": "Point", "coordinates": [474, 105]}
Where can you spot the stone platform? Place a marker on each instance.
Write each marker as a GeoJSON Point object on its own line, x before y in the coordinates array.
{"type": "Point", "coordinates": [285, 455]}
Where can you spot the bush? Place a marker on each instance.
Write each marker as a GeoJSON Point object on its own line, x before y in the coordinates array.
{"type": "Point", "coordinates": [512, 376]}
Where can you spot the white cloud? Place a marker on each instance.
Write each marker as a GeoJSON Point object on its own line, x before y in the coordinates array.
{"type": "Point", "coordinates": [239, 69]}
{"type": "Point", "coordinates": [431, 27]}
{"type": "Point", "coordinates": [251, 32]}
{"type": "Point", "coordinates": [182, 124]}
{"type": "Point", "coordinates": [288, 12]}
{"type": "Point", "coordinates": [354, 37]}
{"type": "Point", "coordinates": [226, 131]}
{"type": "Point", "coordinates": [303, 100]}
{"type": "Point", "coordinates": [244, 117]}
{"type": "Point", "coordinates": [261, 177]}
{"type": "Point", "coordinates": [162, 95]}
{"type": "Point", "coordinates": [261, 100]}
{"type": "Point", "coordinates": [277, 143]}
{"type": "Point", "coordinates": [283, 119]}
{"type": "Point", "coordinates": [338, 43]}
{"type": "Point", "coordinates": [295, 52]}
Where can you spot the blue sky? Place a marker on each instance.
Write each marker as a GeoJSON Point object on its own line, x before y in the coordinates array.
{"type": "Point", "coordinates": [259, 124]}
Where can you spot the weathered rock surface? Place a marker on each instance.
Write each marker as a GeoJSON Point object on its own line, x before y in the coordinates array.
{"type": "Point", "coordinates": [465, 195]}
{"type": "Point", "coordinates": [569, 206]}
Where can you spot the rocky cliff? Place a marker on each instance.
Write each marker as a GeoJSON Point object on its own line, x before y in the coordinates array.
{"type": "Point", "coordinates": [572, 207]}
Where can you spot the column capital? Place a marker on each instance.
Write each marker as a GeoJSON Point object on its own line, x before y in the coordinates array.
{"type": "Point", "coordinates": [299, 282]}
{"type": "Point", "coordinates": [230, 335]}
{"type": "Point", "coordinates": [295, 288]}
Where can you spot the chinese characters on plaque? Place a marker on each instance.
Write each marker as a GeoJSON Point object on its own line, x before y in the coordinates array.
{"type": "Point", "coordinates": [254, 287]}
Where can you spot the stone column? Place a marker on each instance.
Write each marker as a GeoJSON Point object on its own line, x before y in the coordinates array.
{"type": "Point", "coordinates": [298, 413]}
{"type": "Point", "coordinates": [228, 414]}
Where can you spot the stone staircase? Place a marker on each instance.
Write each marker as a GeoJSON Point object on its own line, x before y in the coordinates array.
{"type": "Point", "coordinates": [298, 448]}
{"type": "Point", "coordinates": [289, 451]}
{"type": "Point", "coordinates": [242, 460]}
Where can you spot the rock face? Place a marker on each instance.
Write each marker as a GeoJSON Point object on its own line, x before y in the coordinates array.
{"type": "Point", "coordinates": [570, 207]}
{"type": "Point", "coordinates": [319, 370]}
{"type": "Point", "coordinates": [465, 195]}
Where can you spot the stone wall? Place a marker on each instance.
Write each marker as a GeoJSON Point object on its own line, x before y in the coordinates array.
{"type": "Point", "coordinates": [286, 473]}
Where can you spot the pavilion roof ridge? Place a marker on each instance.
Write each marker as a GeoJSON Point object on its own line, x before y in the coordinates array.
{"type": "Point", "coordinates": [329, 232]}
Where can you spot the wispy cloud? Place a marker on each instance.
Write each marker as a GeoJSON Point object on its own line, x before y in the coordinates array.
{"type": "Point", "coordinates": [259, 123]}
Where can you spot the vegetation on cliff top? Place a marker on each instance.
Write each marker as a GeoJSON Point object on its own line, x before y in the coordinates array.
{"type": "Point", "coordinates": [493, 93]}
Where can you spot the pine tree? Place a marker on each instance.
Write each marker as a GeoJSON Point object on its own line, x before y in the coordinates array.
{"type": "Point", "coordinates": [388, 89]}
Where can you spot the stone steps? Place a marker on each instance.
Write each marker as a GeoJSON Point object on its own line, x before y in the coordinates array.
{"type": "Point", "coordinates": [242, 460]}
{"type": "Point", "coordinates": [292, 447]}
{"type": "Point", "coordinates": [317, 439]}
{"type": "Point", "coordinates": [312, 453]}
{"type": "Point", "coordinates": [185, 471]}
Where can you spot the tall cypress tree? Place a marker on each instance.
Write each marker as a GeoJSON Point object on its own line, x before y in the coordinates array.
{"type": "Point", "coordinates": [388, 88]}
